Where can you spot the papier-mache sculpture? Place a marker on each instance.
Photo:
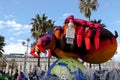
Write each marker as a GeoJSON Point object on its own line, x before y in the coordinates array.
{"type": "Point", "coordinates": [79, 38]}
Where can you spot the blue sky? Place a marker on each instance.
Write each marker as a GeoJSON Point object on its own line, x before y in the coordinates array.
{"type": "Point", "coordinates": [15, 18]}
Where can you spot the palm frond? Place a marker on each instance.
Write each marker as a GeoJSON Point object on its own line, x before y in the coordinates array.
{"type": "Point", "coordinates": [94, 4]}
{"type": "Point", "coordinates": [41, 25]}
{"type": "Point", "coordinates": [86, 6]}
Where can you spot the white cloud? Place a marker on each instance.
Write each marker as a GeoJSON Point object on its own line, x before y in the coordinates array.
{"type": "Point", "coordinates": [11, 38]}
{"type": "Point", "coordinates": [11, 25]}
{"type": "Point", "coordinates": [15, 48]}
{"type": "Point", "coordinates": [20, 40]}
{"type": "Point", "coordinates": [14, 25]}
{"type": "Point", "coordinates": [18, 27]}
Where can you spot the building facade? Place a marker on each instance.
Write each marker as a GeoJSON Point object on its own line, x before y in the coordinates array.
{"type": "Point", "coordinates": [31, 62]}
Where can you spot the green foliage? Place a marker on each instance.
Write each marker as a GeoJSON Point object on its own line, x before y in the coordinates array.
{"type": "Point", "coordinates": [6, 76]}
{"type": "Point", "coordinates": [2, 44]}
{"type": "Point", "coordinates": [86, 6]}
{"type": "Point", "coordinates": [40, 24]}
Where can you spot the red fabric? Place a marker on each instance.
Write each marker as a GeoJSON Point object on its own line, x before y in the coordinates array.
{"type": "Point", "coordinates": [97, 25]}
{"type": "Point", "coordinates": [80, 22]}
{"type": "Point", "coordinates": [87, 39]}
{"type": "Point", "coordinates": [96, 39]}
{"type": "Point", "coordinates": [90, 24]}
{"type": "Point", "coordinates": [80, 36]}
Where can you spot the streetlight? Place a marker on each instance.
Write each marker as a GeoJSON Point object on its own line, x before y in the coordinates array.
{"type": "Point", "coordinates": [26, 52]}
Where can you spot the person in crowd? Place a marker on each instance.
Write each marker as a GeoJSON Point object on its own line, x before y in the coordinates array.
{"type": "Point", "coordinates": [10, 78]}
{"type": "Point", "coordinates": [0, 75]}
{"type": "Point", "coordinates": [16, 74]}
{"type": "Point", "coordinates": [6, 78]}
{"type": "Point", "coordinates": [20, 76]}
{"type": "Point", "coordinates": [23, 77]}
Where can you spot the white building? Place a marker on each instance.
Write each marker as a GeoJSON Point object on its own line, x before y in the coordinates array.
{"type": "Point", "coordinates": [31, 62]}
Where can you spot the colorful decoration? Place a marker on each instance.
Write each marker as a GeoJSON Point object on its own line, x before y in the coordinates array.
{"type": "Point", "coordinates": [68, 69]}
{"type": "Point", "coordinates": [89, 41]}
{"type": "Point", "coordinates": [34, 52]}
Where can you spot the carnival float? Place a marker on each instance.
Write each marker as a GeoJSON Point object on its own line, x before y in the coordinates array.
{"type": "Point", "coordinates": [78, 38]}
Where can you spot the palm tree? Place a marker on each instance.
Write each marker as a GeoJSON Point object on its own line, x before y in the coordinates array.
{"type": "Point", "coordinates": [86, 6]}
{"type": "Point", "coordinates": [40, 24]}
{"type": "Point", "coordinates": [2, 44]}
{"type": "Point", "coordinates": [3, 62]}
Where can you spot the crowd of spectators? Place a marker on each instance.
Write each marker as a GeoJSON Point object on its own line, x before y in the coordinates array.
{"type": "Point", "coordinates": [17, 76]}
